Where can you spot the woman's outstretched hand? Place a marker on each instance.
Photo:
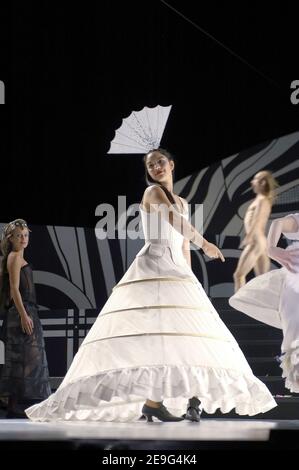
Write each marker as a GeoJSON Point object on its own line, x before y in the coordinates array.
{"type": "Point", "coordinates": [212, 251]}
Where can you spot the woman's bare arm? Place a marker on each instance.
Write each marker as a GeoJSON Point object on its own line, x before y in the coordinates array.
{"type": "Point", "coordinates": [14, 264]}
{"type": "Point", "coordinates": [278, 226]}
{"type": "Point", "coordinates": [186, 251]}
{"type": "Point", "coordinates": [186, 242]}
{"type": "Point", "coordinates": [156, 200]}
{"type": "Point", "coordinates": [286, 258]}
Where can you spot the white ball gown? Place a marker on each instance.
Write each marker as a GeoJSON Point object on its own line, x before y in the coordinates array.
{"type": "Point", "coordinates": [273, 298]}
{"type": "Point", "coordinates": [159, 337]}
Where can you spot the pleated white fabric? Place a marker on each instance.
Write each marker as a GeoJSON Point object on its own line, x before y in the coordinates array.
{"type": "Point", "coordinates": [158, 336]}
{"type": "Point", "coordinates": [273, 298]}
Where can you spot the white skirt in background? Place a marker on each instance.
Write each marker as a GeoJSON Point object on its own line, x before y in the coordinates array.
{"type": "Point", "coordinates": [273, 298]}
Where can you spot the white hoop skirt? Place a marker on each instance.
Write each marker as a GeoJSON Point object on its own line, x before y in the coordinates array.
{"type": "Point", "coordinates": [159, 337]}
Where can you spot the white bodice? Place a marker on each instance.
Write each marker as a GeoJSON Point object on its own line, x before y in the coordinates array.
{"type": "Point", "coordinates": [158, 233]}
{"type": "Point", "coordinates": [156, 229]}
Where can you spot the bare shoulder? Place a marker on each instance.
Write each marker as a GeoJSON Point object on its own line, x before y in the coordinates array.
{"type": "Point", "coordinates": [263, 203]}
{"type": "Point", "coordinates": [263, 200]}
{"type": "Point", "coordinates": [13, 261]}
{"type": "Point", "coordinates": [154, 195]}
{"type": "Point", "coordinates": [152, 189]}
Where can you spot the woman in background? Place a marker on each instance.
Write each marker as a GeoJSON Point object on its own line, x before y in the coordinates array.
{"type": "Point", "coordinates": [24, 377]}
{"type": "Point", "coordinates": [254, 255]}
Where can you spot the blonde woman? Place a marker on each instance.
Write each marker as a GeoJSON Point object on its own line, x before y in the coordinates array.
{"type": "Point", "coordinates": [254, 256]}
{"type": "Point", "coordinates": [24, 376]}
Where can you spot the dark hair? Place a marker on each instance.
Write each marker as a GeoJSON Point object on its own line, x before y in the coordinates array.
{"type": "Point", "coordinates": [6, 247]}
{"type": "Point", "coordinates": [149, 180]}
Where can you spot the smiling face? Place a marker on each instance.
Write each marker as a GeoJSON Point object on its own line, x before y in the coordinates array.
{"type": "Point", "coordinates": [19, 238]}
{"type": "Point", "coordinates": [159, 167]}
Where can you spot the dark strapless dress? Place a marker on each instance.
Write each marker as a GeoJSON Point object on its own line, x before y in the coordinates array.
{"type": "Point", "coordinates": [24, 374]}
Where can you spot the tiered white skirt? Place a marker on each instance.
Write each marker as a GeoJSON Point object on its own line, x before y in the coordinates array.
{"type": "Point", "coordinates": [159, 337]}
{"type": "Point", "coordinates": [273, 298]}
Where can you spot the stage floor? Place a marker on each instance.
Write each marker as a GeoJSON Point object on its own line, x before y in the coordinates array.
{"type": "Point", "coordinates": [206, 430]}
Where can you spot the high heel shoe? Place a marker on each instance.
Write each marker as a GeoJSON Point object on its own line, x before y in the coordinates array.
{"type": "Point", "coordinates": [161, 413]}
{"type": "Point", "coordinates": [193, 410]}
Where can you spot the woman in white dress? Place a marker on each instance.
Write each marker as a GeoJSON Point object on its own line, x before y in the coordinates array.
{"type": "Point", "coordinates": [158, 339]}
{"type": "Point", "coordinates": [273, 298]}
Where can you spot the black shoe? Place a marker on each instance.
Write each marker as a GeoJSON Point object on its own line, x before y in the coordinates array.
{"type": "Point", "coordinates": [193, 410]}
{"type": "Point", "coordinates": [161, 413]}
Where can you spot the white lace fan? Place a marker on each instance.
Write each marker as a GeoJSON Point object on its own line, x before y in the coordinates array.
{"type": "Point", "coordinates": [141, 131]}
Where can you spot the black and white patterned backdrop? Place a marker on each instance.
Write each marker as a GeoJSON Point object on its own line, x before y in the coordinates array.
{"type": "Point", "coordinates": [75, 272]}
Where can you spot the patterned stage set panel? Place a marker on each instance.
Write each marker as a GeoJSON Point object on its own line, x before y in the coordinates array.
{"type": "Point", "coordinates": [74, 272]}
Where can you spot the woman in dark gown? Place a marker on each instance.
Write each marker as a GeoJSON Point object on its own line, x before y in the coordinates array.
{"type": "Point", "coordinates": [24, 377]}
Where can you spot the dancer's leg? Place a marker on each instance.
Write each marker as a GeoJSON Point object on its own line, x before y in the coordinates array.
{"type": "Point", "coordinates": [262, 265]}
{"type": "Point", "coordinates": [246, 263]}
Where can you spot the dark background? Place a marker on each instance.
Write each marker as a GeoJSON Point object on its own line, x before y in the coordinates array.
{"type": "Point", "coordinates": [73, 71]}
